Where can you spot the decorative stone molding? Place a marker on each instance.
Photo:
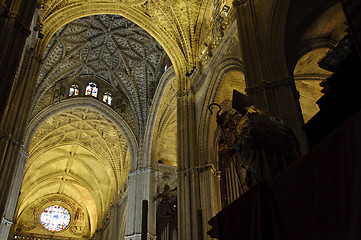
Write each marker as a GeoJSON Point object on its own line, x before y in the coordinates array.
{"type": "Point", "coordinates": [270, 85]}
{"type": "Point", "coordinates": [85, 102]}
{"type": "Point", "coordinates": [138, 236]}
{"type": "Point", "coordinates": [29, 219]}
{"type": "Point", "coordinates": [6, 222]}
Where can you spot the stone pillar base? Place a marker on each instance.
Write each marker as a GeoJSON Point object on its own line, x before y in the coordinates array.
{"type": "Point", "coordinates": [138, 236]}
{"type": "Point", "coordinates": [5, 227]}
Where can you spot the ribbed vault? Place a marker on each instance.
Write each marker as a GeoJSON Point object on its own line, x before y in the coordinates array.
{"type": "Point", "coordinates": [111, 48]}
{"type": "Point", "coordinates": [77, 154]}
{"type": "Point", "coordinates": [180, 27]}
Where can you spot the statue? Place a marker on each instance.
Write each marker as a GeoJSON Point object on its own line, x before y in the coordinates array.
{"type": "Point", "coordinates": [267, 145]}
{"type": "Point", "coordinates": [167, 212]}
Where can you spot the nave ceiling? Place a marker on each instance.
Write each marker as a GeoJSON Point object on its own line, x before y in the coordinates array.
{"type": "Point", "coordinates": [79, 158]}
{"type": "Point", "coordinates": [181, 28]}
{"type": "Point", "coordinates": [109, 48]}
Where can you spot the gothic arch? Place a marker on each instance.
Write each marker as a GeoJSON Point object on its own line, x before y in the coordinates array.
{"type": "Point", "coordinates": [318, 37]}
{"type": "Point", "coordinates": [309, 45]}
{"type": "Point", "coordinates": [208, 122]}
{"type": "Point", "coordinates": [51, 23]}
{"type": "Point", "coordinates": [314, 32]}
{"type": "Point", "coordinates": [94, 104]}
{"type": "Point", "coordinates": [96, 177]}
{"type": "Point", "coordinates": [156, 111]}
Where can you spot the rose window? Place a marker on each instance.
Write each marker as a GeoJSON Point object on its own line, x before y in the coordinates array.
{"type": "Point", "coordinates": [55, 218]}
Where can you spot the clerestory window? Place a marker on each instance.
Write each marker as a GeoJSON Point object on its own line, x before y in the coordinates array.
{"type": "Point", "coordinates": [73, 90]}
{"type": "Point", "coordinates": [91, 90]}
{"type": "Point", "coordinates": [107, 97]}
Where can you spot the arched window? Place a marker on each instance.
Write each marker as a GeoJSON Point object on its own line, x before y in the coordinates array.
{"type": "Point", "coordinates": [107, 97]}
{"type": "Point", "coordinates": [91, 90]}
{"type": "Point", "coordinates": [74, 90]}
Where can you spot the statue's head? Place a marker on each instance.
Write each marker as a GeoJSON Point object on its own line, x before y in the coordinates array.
{"type": "Point", "coordinates": [240, 102]}
{"type": "Point", "coordinates": [166, 187]}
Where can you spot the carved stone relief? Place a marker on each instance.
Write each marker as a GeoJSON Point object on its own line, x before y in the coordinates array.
{"type": "Point", "coordinates": [29, 222]}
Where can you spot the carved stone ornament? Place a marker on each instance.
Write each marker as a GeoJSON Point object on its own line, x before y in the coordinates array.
{"type": "Point", "coordinates": [29, 220]}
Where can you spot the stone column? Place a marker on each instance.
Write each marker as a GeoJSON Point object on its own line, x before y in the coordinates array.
{"type": "Point", "coordinates": [15, 21]}
{"type": "Point", "coordinates": [142, 185]}
{"type": "Point", "coordinates": [12, 129]}
{"type": "Point", "coordinates": [115, 227]}
{"type": "Point", "coordinates": [268, 82]}
{"type": "Point", "coordinates": [188, 175]}
{"type": "Point", "coordinates": [210, 195]}
{"type": "Point", "coordinates": [8, 220]}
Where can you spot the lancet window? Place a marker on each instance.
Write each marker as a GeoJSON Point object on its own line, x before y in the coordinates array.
{"type": "Point", "coordinates": [91, 90]}
{"type": "Point", "coordinates": [73, 90]}
{"type": "Point", "coordinates": [107, 98]}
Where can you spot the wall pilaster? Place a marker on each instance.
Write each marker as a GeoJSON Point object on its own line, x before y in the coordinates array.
{"type": "Point", "coordinates": [12, 130]}
{"type": "Point", "coordinates": [114, 228]}
{"type": "Point", "coordinates": [268, 82]}
{"type": "Point", "coordinates": [15, 21]}
{"type": "Point", "coordinates": [188, 175]}
{"type": "Point", "coordinates": [142, 185]}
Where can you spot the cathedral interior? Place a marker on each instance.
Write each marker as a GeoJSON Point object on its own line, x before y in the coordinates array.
{"type": "Point", "coordinates": [106, 127]}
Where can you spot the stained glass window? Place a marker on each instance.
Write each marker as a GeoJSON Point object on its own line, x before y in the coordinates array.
{"type": "Point", "coordinates": [107, 97]}
{"type": "Point", "coordinates": [74, 90]}
{"type": "Point", "coordinates": [91, 90]}
{"type": "Point", "coordinates": [55, 218]}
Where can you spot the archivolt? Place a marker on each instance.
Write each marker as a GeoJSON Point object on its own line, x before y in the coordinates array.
{"type": "Point", "coordinates": [58, 18]}
{"type": "Point", "coordinates": [93, 104]}
{"type": "Point", "coordinates": [224, 66]}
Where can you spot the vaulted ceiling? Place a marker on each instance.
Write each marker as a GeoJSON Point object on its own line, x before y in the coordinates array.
{"type": "Point", "coordinates": [108, 47]}
{"type": "Point", "coordinates": [181, 27]}
{"type": "Point", "coordinates": [78, 154]}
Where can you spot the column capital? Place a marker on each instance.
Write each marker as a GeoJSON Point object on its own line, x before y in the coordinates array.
{"type": "Point", "coordinates": [6, 222]}
{"type": "Point", "coordinates": [185, 92]}
{"type": "Point", "coordinates": [200, 169]}
{"type": "Point", "coordinates": [270, 85]}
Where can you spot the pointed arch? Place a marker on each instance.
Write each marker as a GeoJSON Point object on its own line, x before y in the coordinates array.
{"type": "Point", "coordinates": [69, 13]}
{"type": "Point", "coordinates": [94, 104]}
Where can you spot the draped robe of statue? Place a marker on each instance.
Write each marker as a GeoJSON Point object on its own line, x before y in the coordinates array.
{"type": "Point", "coordinates": [267, 145]}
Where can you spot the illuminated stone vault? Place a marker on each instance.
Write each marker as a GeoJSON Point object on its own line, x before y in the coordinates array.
{"type": "Point", "coordinates": [109, 48]}
{"type": "Point", "coordinates": [81, 149]}
{"type": "Point", "coordinates": [80, 156]}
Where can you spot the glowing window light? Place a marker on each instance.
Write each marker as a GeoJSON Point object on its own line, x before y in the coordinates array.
{"type": "Point", "coordinates": [55, 218]}
{"type": "Point", "coordinates": [74, 90]}
{"type": "Point", "coordinates": [107, 97]}
{"type": "Point", "coordinates": [91, 90]}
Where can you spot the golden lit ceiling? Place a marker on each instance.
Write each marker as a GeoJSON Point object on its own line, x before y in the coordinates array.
{"type": "Point", "coordinates": [78, 154]}
{"type": "Point", "coordinates": [180, 27]}
{"type": "Point", "coordinates": [109, 48]}
{"type": "Point", "coordinates": [165, 132]}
